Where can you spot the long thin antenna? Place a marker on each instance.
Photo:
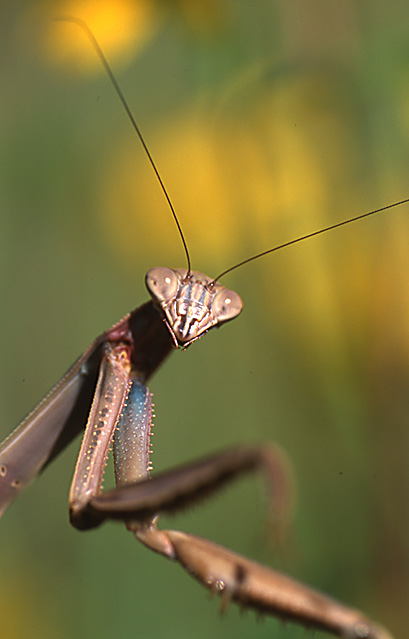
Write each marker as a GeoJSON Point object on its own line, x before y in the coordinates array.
{"type": "Point", "coordinates": [83, 25]}
{"type": "Point", "coordinates": [306, 237]}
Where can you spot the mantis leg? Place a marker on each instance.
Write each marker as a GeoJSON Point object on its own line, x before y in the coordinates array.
{"type": "Point", "coordinates": [122, 410]}
{"type": "Point", "coordinates": [233, 576]}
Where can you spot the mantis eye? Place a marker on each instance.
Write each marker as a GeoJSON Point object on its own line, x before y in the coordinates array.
{"type": "Point", "coordinates": [162, 283]}
{"type": "Point", "coordinates": [226, 305]}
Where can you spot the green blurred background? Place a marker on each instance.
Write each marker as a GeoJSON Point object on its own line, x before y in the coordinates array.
{"type": "Point", "coordinates": [267, 120]}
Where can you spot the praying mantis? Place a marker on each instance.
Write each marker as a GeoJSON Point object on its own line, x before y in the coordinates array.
{"type": "Point", "coordinates": [90, 512]}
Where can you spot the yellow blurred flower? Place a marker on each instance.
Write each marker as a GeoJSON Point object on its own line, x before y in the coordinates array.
{"type": "Point", "coordinates": [241, 181]}
{"type": "Point", "coordinates": [121, 27]}
{"type": "Point", "coordinates": [134, 207]}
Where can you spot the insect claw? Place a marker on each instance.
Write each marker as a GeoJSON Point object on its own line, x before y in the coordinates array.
{"type": "Point", "coordinates": [266, 591]}
{"type": "Point", "coordinates": [218, 588]}
{"type": "Point", "coordinates": [225, 600]}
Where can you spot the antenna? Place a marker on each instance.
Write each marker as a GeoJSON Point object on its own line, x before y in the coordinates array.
{"type": "Point", "coordinates": [83, 25]}
{"type": "Point", "coordinates": [306, 237]}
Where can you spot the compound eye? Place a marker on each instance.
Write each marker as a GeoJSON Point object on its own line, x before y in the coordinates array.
{"type": "Point", "coordinates": [162, 283]}
{"type": "Point", "coordinates": [226, 305]}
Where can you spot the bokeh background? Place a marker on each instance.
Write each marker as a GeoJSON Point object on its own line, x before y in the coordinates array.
{"type": "Point", "coordinates": [267, 120]}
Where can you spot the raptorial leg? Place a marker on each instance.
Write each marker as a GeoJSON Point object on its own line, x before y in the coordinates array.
{"type": "Point", "coordinates": [234, 577]}
{"type": "Point", "coordinates": [184, 486]}
{"type": "Point", "coordinates": [252, 585]}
